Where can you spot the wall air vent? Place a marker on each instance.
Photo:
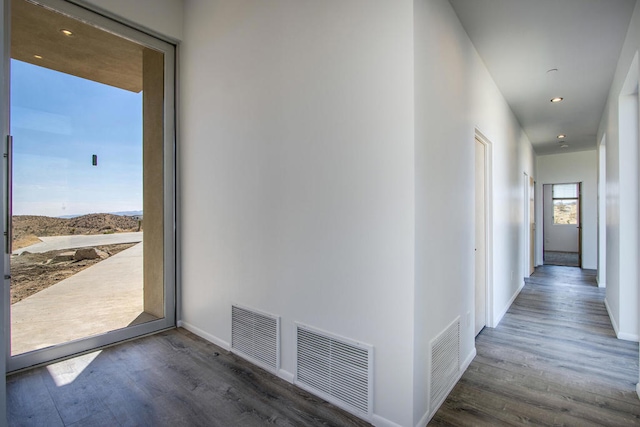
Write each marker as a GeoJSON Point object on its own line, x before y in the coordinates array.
{"type": "Point", "coordinates": [445, 362]}
{"type": "Point", "coordinates": [256, 336]}
{"type": "Point", "coordinates": [336, 369]}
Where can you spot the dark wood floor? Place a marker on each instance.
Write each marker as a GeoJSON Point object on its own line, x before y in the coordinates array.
{"type": "Point", "coordinates": [567, 259]}
{"type": "Point", "coordinates": [553, 360]}
{"type": "Point", "coordinates": [169, 379]}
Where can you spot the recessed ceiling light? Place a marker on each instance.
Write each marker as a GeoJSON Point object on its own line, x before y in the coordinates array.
{"type": "Point", "coordinates": [557, 99]}
{"type": "Point", "coordinates": [564, 146]}
{"type": "Point", "coordinates": [561, 136]}
{"type": "Point", "coordinates": [66, 32]}
{"type": "Point", "coordinates": [37, 56]}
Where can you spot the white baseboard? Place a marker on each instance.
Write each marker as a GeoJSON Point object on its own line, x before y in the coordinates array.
{"type": "Point", "coordinates": [468, 361]}
{"type": "Point", "coordinates": [611, 318]}
{"type": "Point", "coordinates": [497, 319]}
{"type": "Point", "coordinates": [424, 420]}
{"type": "Point", "coordinates": [202, 334]}
{"type": "Point", "coordinates": [638, 389]}
{"type": "Point", "coordinates": [379, 421]}
{"type": "Point", "coordinates": [628, 337]}
{"type": "Point", "coordinates": [286, 375]}
{"type": "Point", "coordinates": [621, 335]}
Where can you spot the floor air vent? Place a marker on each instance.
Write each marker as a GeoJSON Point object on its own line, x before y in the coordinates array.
{"type": "Point", "coordinates": [256, 336]}
{"type": "Point", "coordinates": [336, 369]}
{"type": "Point", "coordinates": [445, 362]}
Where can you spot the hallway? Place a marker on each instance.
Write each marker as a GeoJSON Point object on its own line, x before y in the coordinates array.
{"type": "Point", "coordinates": [553, 360]}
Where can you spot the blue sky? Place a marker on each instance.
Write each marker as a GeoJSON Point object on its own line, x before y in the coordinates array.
{"type": "Point", "coordinates": [58, 122]}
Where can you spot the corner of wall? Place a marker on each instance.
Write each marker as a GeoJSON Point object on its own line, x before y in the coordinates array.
{"type": "Point", "coordinates": [612, 318]}
{"type": "Point", "coordinates": [202, 334]}
{"type": "Point", "coordinates": [497, 318]}
{"type": "Point", "coordinates": [463, 368]}
{"type": "Point", "coordinates": [379, 421]}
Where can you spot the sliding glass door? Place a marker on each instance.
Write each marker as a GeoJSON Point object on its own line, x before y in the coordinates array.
{"type": "Point", "coordinates": [89, 191]}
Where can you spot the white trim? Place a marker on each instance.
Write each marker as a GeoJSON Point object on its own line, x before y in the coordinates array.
{"type": "Point", "coordinates": [286, 375]}
{"type": "Point", "coordinates": [638, 389]}
{"type": "Point", "coordinates": [379, 421]}
{"type": "Point", "coordinates": [611, 318]}
{"type": "Point", "coordinates": [628, 337]}
{"type": "Point", "coordinates": [468, 360]}
{"type": "Point", "coordinates": [620, 335]}
{"type": "Point", "coordinates": [508, 306]}
{"type": "Point", "coordinates": [207, 336]}
{"type": "Point", "coordinates": [526, 230]}
{"type": "Point", "coordinates": [488, 206]}
{"type": "Point", "coordinates": [425, 418]}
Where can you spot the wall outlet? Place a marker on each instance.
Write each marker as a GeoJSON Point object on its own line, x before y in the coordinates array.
{"type": "Point", "coordinates": [468, 319]}
{"type": "Point", "coordinates": [512, 275]}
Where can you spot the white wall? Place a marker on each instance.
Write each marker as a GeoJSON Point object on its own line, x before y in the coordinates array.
{"type": "Point", "coordinates": [161, 17]}
{"type": "Point", "coordinates": [305, 193]}
{"type": "Point", "coordinates": [622, 191]}
{"type": "Point", "coordinates": [455, 95]}
{"type": "Point", "coordinates": [566, 168]}
{"type": "Point", "coordinates": [512, 156]}
{"type": "Point", "coordinates": [298, 175]}
{"type": "Point", "coordinates": [602, 213]}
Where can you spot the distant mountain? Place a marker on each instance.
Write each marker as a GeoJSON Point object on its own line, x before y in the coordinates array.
{"type": "Point", "coordinates": [127, 213]}
{"type": "Point", "coordinates": [26, 228]}
{"type": "Point", "coordinates": [121, 213]}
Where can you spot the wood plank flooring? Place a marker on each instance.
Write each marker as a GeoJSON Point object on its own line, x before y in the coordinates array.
{"type": "Point", "coordinates": [553, 360]}
{"type": "Point", "coordinates": [170, 379]}
{"type": "Point", "coordinates": [567, 259]}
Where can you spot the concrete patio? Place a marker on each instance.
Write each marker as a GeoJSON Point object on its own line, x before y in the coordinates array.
{"type": "Point", "coordinates": [52, 243]}
{"type": "Point", "coordinates": [99, 299]}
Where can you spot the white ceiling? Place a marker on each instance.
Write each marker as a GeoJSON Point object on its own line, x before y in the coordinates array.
{"type": "Point", "coordinates": [519, 40]}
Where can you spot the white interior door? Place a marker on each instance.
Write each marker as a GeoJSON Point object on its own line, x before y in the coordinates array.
{"type": "Point", "coordinates": [480, 239]}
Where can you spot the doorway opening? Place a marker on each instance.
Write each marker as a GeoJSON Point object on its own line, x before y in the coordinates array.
{"type": "Point", "coordinates": [483, 241]}
{"type": "Point", "coordinates": [89, 256]}
{"type": "Point", "coordinates": [562, 224]}
{"type": "Point", "coordinates": [530, 225]}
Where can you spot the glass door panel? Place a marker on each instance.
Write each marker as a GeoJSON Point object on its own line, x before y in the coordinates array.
{"type": "Point", "coordinates": [87, 218]}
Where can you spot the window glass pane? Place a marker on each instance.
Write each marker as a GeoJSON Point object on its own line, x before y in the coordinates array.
{"type": "Point", "coordinates": [87, 111]}
{"type": "Point", "coordinates": [565, 191]}
{"type": "Point", "coordinates": [565, 211]}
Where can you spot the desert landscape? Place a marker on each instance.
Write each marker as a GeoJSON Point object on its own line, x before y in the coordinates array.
{"type": "Point", "coordinates": [33, 272]}
{"type": "Point", "coordinates": [565, 213]}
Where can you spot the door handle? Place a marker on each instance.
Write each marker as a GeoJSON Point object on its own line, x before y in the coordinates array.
{"type": "Point", "coordinates": [9, 193]}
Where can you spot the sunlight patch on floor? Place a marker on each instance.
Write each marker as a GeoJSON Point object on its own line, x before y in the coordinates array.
{"type": "Point", "coordinates": [66, 372]}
